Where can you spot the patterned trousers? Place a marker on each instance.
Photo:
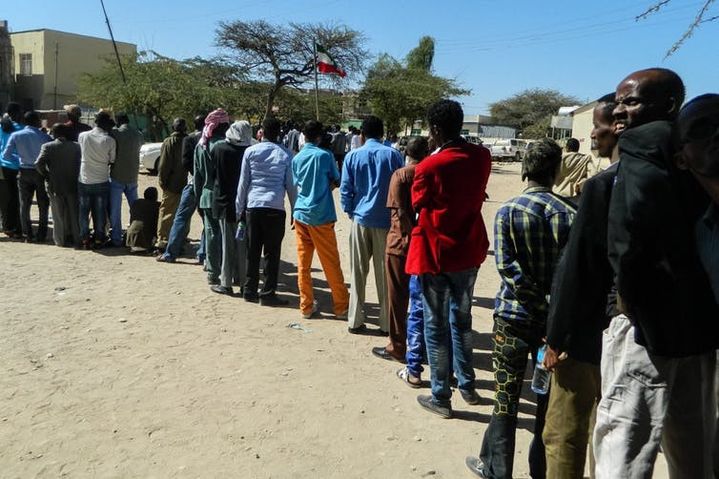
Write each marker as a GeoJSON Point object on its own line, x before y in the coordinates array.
{"type": "Point", "coordinates": [514, 342]}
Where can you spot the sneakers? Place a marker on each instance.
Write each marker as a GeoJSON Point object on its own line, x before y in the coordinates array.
{"type": "Point", "coordinates": [428, 403]}
{"type": "Point", "coordinates": [165, 258]}
{"type": "Point", "coordinates": [309, 315]}
{"type": "Point", "coordinates": [476, 466]}
{"type": "Point", "coordinates": [471, 397]}
{"type": "Point", "coordinates": [219, 289]}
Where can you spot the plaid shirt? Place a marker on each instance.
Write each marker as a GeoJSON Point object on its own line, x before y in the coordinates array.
{"type": "Point", "coordinates": [530, 232]}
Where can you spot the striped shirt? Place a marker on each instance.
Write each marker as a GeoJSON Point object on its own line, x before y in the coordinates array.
{"type": "Point", "coordinates": [530, 232]}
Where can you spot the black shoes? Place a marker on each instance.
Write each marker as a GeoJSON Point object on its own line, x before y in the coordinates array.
{"type": "Point", "coordinates": [272, 300]}
{"type": "Point", "coordinates": [382, 353]}
{"type": "Point", "coordinates": [361, 329]}
{"type": "Point", "coordinates": [471, 397]}
{"type": "Point", "coordinates": [428, 403]}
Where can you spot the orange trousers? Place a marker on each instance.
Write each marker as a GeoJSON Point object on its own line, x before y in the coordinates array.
{"type": "Point", "coordinates": [321, 238]}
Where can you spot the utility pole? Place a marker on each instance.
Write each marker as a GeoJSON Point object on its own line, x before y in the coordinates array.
{"type": "Point", "coordinates": [57, 66]}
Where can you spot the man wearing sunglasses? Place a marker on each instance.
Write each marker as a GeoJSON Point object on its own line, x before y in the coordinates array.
{"type": "Point", "coordinates": [659, 353]}
{"type": "Point", "coordinates": [697, 131]}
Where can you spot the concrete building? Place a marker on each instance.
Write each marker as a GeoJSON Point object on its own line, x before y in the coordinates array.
{"type": "Point", "coordinates": [561, 123]}
{"type": "Point", "coordinates": [6, 66]}
{"type": "Point", "coordinates": [582, 127]}
{"type": "Point", "coordinates": [483, 126]}
{"type": "Point", "coordinates": [49, 63]}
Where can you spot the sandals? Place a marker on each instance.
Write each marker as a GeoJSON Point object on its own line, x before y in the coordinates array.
{"type": "Point", "coordinates": [411, 381]}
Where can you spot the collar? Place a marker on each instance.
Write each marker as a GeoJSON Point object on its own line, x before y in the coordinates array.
{"type": "Point", "coordinates": [537, 189]}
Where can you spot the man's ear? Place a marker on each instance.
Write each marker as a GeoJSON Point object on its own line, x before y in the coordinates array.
{"type": "Point", "coordinates": [679, 160]}
{"type": "Point", "coordinates": [673, 107]}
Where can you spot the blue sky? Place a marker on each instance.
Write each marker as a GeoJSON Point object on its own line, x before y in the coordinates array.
{"type": "Point", "coordinates": [495, 48]}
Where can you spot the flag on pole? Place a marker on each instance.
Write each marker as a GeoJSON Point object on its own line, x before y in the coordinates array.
{"type": "Point", "coordinates": [326, 64]}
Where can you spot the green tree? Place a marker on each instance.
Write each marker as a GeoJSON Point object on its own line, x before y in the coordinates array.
{"type": "Point", "coordinates": [400, 94]}
{"type": "Point", "coordinates": [530, 110]}
{"type": "Point", "coordinates": [157, 87]}
{"type": "Point", "coordinates": [280, 56]}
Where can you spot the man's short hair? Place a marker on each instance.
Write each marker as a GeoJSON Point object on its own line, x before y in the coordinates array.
{"type": "Point", "coordinates": [179, 125]}
{"type": "Point", "coordinates": [676, 133]}
{"type": "Point", "coordinates": [150, 193]}
{"type": "Point", "coordinates": [199, 122]}
{"type": "Point", "coordinates": [60, 130]}
{"type": "Point", "coordinates": [32, 118]}
{"type": "Point", "coordinates": [13, 108]}
{"type": "Point", "coordinates": [541, 160]}
{"type": "Point", "coordinates": [312, 130]}
{"type": "Point", "coordinates": [664, 84]}
{"type": "Point", "coordinates": [417, 148]}
{"type": "Point", "coordinates": [271, 128]}
{"type": "Point", "coordinates": [572, 145]}
{"type": "Point", "coordinates": [373, 127]}
{"type": "Point", "coordinates": [606, 105]}
{"type": "Point", "coordinates": [121, 118]}
{"type": "Point", "coordinates": [104, 120]}
{"type": "Point", "coordinates": [73, 111]}
{"type": "Point", "coordinates": [447, 116]}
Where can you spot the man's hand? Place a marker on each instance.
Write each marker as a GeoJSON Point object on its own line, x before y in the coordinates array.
{"type": "Point", "coordinates": [552, 358]}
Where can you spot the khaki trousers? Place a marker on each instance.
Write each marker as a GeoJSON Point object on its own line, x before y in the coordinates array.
{"type": "Point", "coordinates": [365, 244]}
{"type": "Point", "coordinates": [573, 398]}
{"type": "Point", "coordinates": [168, 206]}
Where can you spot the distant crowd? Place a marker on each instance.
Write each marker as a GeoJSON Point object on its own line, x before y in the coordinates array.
{"type": "Point", "coordinates": [609, 278]}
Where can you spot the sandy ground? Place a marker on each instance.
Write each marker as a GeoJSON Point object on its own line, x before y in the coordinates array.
{"type": "Point", "coordinates": [119, 366]}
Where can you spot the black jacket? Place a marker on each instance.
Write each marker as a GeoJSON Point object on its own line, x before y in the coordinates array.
{"type": "Point", "coordinates": [188, 150]}
{"type": "Point", "coordinates": [583, 278]}
{"type": "Point", "coordinates": [228, 158]}
{"type": "Point", "coordinates": [652, 214]}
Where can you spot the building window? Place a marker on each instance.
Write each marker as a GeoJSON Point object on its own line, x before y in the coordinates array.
{"type": "Point", "coordinates": [26, 64]}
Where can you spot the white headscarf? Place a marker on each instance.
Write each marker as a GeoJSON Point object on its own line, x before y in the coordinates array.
{"type": "Point", "coordinates": [240, 133]}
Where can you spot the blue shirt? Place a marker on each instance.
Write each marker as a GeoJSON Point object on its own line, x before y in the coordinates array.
{"type": "Point", "coordinates": [530, 232]}
{"type": "Point", "coordinates": [26, 143]}
{"type": "Point", "coordinates": [365, 183]}
{"type": "Point", "coordinates": [265, 176]}
{"type": "Point", "coordinates": [313, 172]}
{"type": "Point", "coordinates": [13, 162]}
{"type": "Point", "coordinates": [707, 233]}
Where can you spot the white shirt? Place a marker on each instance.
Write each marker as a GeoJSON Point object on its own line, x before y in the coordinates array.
{"type": "Point", "coordinates": [356, 142]}
{"type": "Point", "coordinates": [98, 153]}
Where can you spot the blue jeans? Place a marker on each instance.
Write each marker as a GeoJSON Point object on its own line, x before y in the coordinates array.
{"type": "Point", "coordinates": [181, 224]}
{"type": "Point", "coordinates": [416, 349]}
{"type": "Point", "coordinates": [448, 327]}
{"type": "Point", "coordinates": [116, 191]}
{"type": "Point", "coordinates": [93, 200]}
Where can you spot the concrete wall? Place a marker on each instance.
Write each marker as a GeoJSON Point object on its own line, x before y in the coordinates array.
{"type": "Point", "coordinates": [66, 54]}
{"type": "Point", "coordinates": [582, 128]}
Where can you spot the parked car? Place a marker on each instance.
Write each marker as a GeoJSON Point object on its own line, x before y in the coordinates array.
{"type": "Point", "coordinates": [509, 150]}
{"type": "Point", "coordinates": [150, 156]}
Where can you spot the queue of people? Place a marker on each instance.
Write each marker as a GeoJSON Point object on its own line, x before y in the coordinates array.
{"type": "Point", "coordinates": [610, 282]}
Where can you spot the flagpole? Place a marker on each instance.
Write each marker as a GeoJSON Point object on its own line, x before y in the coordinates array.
{"type": "Point", "coordinates": [317, 88]}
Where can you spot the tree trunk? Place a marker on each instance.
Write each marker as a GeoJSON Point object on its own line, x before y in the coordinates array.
{"type": "Point", "coordinates": [271, 98]}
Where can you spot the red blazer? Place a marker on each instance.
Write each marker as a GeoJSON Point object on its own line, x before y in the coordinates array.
{"type": "Point", "coordinates": [448, 191]}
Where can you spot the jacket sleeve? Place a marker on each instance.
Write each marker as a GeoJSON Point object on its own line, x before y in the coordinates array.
{"type": "Point", "coordinates": [163, 166]}
{"type": "Point", "coordinates": [9, 148]}
{"type": "Point", "coordinates": [243, 186]}
{"type": "Point", "coordinates": [422, 188]}
{"type": "Point", "coordinates": [198, 178]}
{"type": "Point", "coordinates": [290, 185]}
{"type": "Point", "coordinates": [41, 162]}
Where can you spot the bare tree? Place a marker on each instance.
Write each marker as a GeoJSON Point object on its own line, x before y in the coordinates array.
{"type": "Point", "coordinates": [701, 17]}
{"type": "Point", "coordinates": [282, 55]}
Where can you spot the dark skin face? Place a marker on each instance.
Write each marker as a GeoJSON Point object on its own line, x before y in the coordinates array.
{"type": "Point", "coordinates": [603, 133]}
{"type": "Point", "coordinates": [639, 101]}
{"type": "Point", "coordinates": [698, 127]}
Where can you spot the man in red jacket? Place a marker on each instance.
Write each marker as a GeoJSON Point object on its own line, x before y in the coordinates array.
{"type": "Point", "coordinates": [448, 245]}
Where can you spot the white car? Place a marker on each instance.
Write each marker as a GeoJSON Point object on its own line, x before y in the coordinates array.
{"type": "Point", "coordinates": [150, 156]}
{"type": "Point", "coordinates": [509, 150]}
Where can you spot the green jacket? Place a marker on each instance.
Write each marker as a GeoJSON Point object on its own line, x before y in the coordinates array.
{"type": "Point", "coordinates": [127, 160]}
{"type": "Point", "coordinates": [172, 175]}
{"type": "Point", "coordinates": [205, 174]}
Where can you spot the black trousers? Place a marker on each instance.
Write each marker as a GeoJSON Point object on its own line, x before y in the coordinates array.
{"type": "Point", "coordinates": [10, 202]}
{"type": "Point", "coordinates": [32, 184]}
{"type": "Point", "coordinates": [265, 230]}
